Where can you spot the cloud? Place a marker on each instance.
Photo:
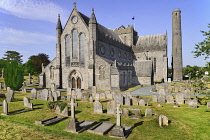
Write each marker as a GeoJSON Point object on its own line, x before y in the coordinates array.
{"type": "Point", "coordinates": [33, 9]}
{"type": "Point", "coordinates": [18, 37]}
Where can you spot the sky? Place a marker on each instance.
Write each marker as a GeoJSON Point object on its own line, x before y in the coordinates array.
{"type": "Point", "coordinates": [29, 26]}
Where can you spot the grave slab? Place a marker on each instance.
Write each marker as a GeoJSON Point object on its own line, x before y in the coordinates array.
{"type": "Point", "coordinates": [50, 121]}
{"type": "Point", "coordinates": [101, 128]}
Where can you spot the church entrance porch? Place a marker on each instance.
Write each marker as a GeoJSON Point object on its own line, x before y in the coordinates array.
{"type": "Point", "coordinates": [75, 80]}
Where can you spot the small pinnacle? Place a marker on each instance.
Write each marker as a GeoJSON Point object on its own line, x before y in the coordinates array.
{"type": "Point", "coordinates": [92, 9]}
{"type": "Point", "coordinates": [58, 15]}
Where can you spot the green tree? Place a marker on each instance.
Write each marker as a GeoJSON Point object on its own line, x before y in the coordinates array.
{"type": "Point", "coordinates": [13, 75]}
{"type": "Point", "coordinates": [30, 67]}
{"type": "Point", "coordinates": [193, 72]}
{"type": "Point", "coordinates": [203, 48]}
{"type": "Point", "coordinates": [38, 60]}
{"type": "Point", "coordinates": [13, 56]}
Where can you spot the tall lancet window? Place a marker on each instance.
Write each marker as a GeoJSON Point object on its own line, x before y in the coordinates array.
{"type": "Point", "coordinates": [82, 48]}
{"type": "Point", "coordinates": [67, 45]}
{"type": "Point", "coordinates": [74, 44]}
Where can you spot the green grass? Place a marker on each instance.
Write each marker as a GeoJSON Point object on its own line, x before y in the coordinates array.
{"type": "Point", "coordinates": [185, 123]}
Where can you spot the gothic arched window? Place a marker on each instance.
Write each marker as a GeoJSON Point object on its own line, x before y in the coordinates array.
{"type": "Point", "coordinates": [67, 46]}
{"type": "Point", "coordinates": [74, 44]}
{"type": "Point", "coordinates": [82, 48]}
{"type": "Point", "coordinates": [52, 72]}
{"type": "Point", "coordinates": [155, 64]}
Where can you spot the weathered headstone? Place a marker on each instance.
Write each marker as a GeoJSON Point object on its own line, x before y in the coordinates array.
{"type": "Point", "coordinates": [27, 103]}
{"type": "Point", "coordinates": [5, 108]}
{"type": "Point", "coordinates": [109, 96]}
{"type": "Point", "coordinates": [53, 88]}
{"type": "Point", "coordinates": [169, 99]}
{"type": "Point", "coordinates": [111, 107]}
{"type": "Point", "coordinates": [98, 107]}
{"type": "Point", "coordinates": [55, 95]}
{"type": "Point", "coordinates": [161, 99]}
{"type": "Point", "coordinates": [154, 98]}
{"type": "Point", "coordinates": [119, 98]}
{"type": "Point", "coordinates": [97, 96]}
{"type": "Point", "coordinates": [141, 102]}
{"type": "Point", "coordinates": [136, 114]}
{"type": "Point", "coordinates": [163, 120]}
{"type": "Point", "coordinates": [193, 103]}
{"type": "Point", "coordinates": [180, 98]}
{"type": "Point", "coordinates": [148, 112]}
{"type": "Point", "coordinates": [187, 94]}
{"type": "Point", "coordinates": [58, 93]}
{"type": "Point", "coordinates": [127, 100]}
{"type": "Point", "coordinates": [135, 101]}
{"type": "Point", "coordinates": [79, 94]}
{"type": "Point", "coordinates": [107, 92]}
{"type": "Point", "coordinates": [182, 89]}
{"type": "Point", "coordinates": [33, 93]}
{"type": "Point", "coordinates": [10, 96]}
{"type": "Point", "coordinates": [94, 91]}
{"type": "Point", "coordinates": [125, 112]}
{"type": "Point", "coordinates": [162, 92]}
{"type": "Point", "coordinates": [45, 94]}
{"type": "Point", "coordinates": [102, 96]}
{"type": "Point", "coordinates": [91, 99]}
{"type": "Point", "coordinates": [68, 91]}
{"type": "Point", "coordinates": [208, 105]}
{"type": "Point", "coordinates": [176, 88]}
{"type": "Point", "coordinates": [85, 96]}
{"type": "Point", "coordinates": [8, 89]}
{"type": "Point", "coordinates": [50, 96]}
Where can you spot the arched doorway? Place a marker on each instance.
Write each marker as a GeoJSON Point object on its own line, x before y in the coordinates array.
{"type": "Point", "coordinates": [79, 83]}
{"type": "Point", "coordinates": [75, 80]}
{"type": "Point", "coordinates": [73, 83]}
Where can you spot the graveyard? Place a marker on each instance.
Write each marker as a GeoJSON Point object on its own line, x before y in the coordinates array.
{"type": "Point", "coordinates": [143, 117]}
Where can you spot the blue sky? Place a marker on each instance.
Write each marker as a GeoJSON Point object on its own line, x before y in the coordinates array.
{"type": "Point", "coordinates": [28, 26]}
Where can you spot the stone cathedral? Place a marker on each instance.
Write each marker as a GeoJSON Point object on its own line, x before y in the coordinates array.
{"type": "Point", "coordinates": [89, 54]}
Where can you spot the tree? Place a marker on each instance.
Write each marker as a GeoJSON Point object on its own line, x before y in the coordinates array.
{"type": "Point", "coordinates": [203, 48]}
{"type": "Point", "coordinates": [13, 76]}
{"type": "Point", "coordinates": [38, 60]}
{"type": "Point", "coordinates": [193, 72]}
{"type": "Point", "coordinates": [30, 67]}
{"type": "Point", "coordinates": [13, 56]}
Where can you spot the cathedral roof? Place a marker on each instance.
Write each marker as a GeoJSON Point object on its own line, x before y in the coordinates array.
{"type": "Point", "coordinates": [157, 42]}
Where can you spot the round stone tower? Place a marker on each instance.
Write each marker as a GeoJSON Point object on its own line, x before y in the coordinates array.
{"type": "Point", "coordinates": [176, 45]}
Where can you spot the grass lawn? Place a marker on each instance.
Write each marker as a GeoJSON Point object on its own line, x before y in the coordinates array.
{"type": "Point", "coordinates": [185, 123]}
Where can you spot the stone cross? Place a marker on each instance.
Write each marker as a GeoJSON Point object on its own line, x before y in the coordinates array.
{"type": "Point", "coordinates": [75, 4]}
{"type": "Point", "coordinates": [118, 112]}
{"type": "Point", "coordinates": [72, 108]}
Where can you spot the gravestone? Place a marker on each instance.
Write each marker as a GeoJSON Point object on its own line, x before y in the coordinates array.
{"type": "Point", "coordinates": [109, 96]}
{"type": "Point", "coordinates": [136, 114]}
{"type": "Point", "coordinates": [161, 99]}
{"type": "Point", "coordinates": [208, 105]}
{"type": "Point", "coordinates": [68, 91]}
{"type": "Point", "coordinates": [118, 130]}
{"type": "Point", "coordinates": [141, 102]}
{"type": "Point", "coordinates": [125, 112]}
{"type": "Point", "coordinates": [27, 103]}
{"type": "Point", "coordinates": [154, 98]}
{"type": "Point", "coordinates": [111, 107]}
{"type": "Point", "coordinates": [107, 92]}
{"type": "Point", "coordinates": [176, 88]}
{"type": "Point", "coordinates": [127, 100]}
{"type": "Point", "coordinates": [0, 86]}
{"type": "Point", "coordinates": [33, 93]}
{"type": "Point", "coordinates": [97, 107]}
{"type": "Point", "coordinates": [180, 98]}
{"type": "Point", "coordinates": [97, 96]}
{"type": "Point", "coordinates": [55, 95]}
{"type": "Point", "coordinates": [8, 90]}
{"type": "Point", "coordinates": [24, 90]}
{"type": "Point", "coordinates": [53, 88]}
{"type": "Point", "coordinates": [182, 89]}
{"type": "Point", "coordinates": [102, 96]}
{"type": "Point", "coordinates": [73, 124]}
{"type": "Point", "coordinates": [73, 93]}
{"type": "Point", "coordinates": [91, 99]}
{"type": "Point", "coordinates": [148, 112]}
{"type": "Point", "coordinates": [85, 96]}
{"type": "Point", "coordinates": [5, 108]}
{"type": "Point", "coordinates": [163, 120]}
{"type": "Point", "coordinates": [94, 91]}
{"type": "Point", "coordinates": [187, 94]}
{"type": "Point", "coordinates": [68, 98]}
{"type": "Point", "coordinates": [50, 96]}
{"type": "Point", "coordinates": [162, 92]}
{"type": "Point", "coordinates": [65, 111]}
{"type": "Point", "coordinates": [169, 99]}
{"type": "Point", "coordinates": [193, 103]}
{"type": "Point", "coordinates": [135, 101]}
{"type": "Point", "coordinates": [119, 98]}
{"type": "Point", "coordinates": [10, 96]}
{"type": "Point", "coordinates": [45, 94]}
{"type": "Point", "coordinates": [58, 93]}
{"type": "Point", "coordinates": [79, 95]}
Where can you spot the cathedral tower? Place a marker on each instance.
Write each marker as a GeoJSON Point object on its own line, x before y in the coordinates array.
{"type": "Point", "coordinates": [176, 45]}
